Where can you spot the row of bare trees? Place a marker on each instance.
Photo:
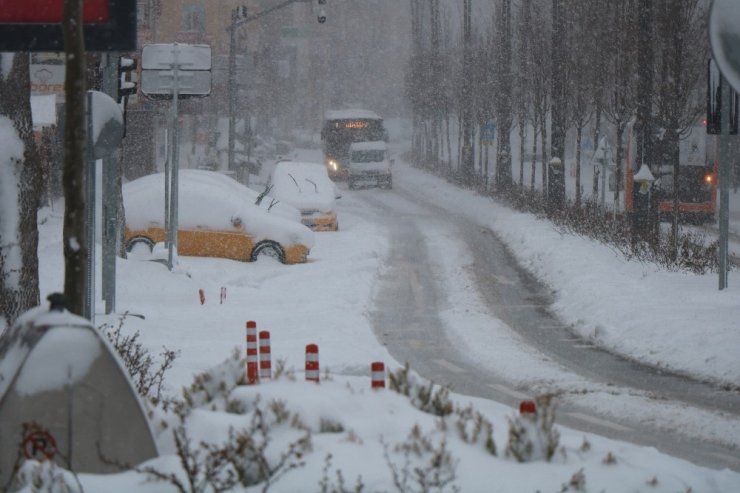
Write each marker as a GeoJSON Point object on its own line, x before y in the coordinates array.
{"type": "Point", "coordinates": [549, 68]}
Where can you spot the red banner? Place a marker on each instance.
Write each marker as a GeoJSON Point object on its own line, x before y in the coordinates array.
{"type": "Point", "coordinates": [50, 11]}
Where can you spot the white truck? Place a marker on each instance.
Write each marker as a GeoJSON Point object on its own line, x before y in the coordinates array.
{"type": "Point", "coordinates": [369, 164]}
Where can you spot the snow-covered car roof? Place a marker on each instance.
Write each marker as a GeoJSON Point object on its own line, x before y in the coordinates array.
{"type": "Point", "coordinates": [375, 145]}
{"type": "Point", "coordinates": [210, 200]}
{"type": "Point", "coordinates": [304, 185]}
{"type": "Point", "coordinates": [350, 114]}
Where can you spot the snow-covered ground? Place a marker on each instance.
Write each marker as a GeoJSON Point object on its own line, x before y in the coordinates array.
{"type": "Point", "coordinates": [675, 320]}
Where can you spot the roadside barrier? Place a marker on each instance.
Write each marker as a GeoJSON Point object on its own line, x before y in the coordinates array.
{"type": "Point", "coordinates": [265, 362]}
{"type": "Point", "coordinates": [527, 407]}
{"type": "Point", "coordinates": [377, 375]}
{"type": "Point", "coordinates": [251, 370]}
{"type": "Point", "coordinates": [202, 295]}
{"type": "Point", "coordinates": [312, 363]}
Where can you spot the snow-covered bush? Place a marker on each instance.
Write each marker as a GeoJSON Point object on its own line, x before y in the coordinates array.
{"type": "Point", "coordinates": [429, 398]}
{"type": "Point", "coordinates": [532, 436]}
{"type": "Point", "coordinates": [44, 477]}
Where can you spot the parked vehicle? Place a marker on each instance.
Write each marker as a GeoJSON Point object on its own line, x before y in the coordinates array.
{"type": "Point", "coordinates": [369, 163]}
{"type": "Point", "coordinates": [216, 218]}
{"type": "Point", "coordinates": [307, 187]}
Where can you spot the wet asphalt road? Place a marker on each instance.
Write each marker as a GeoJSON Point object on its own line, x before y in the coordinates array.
{"type": "Point", "coordinates": [406, 320]}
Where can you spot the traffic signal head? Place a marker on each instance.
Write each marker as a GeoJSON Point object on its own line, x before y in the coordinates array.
{"type": "Point", "coordinates": [321, 15]}
{"type": "Point", "coordinates": [125, 86]}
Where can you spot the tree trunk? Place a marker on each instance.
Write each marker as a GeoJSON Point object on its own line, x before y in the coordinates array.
{"type": "Point", "coordinates": [522, 136]}
{"type": "Point", "coordinates": [543, 137]}
{"type": "Point", "coordinates": [535, 133]}
{"type": "Point", "coordinates": [73, 177]}
{"type": "Point", "coordinates": [618, 165]}
{"type": "Point", "coordinates": [19, 276]}
{"type": "Point", "coordinates": [579, 133]}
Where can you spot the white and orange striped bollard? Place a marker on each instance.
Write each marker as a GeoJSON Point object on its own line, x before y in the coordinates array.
{"type": "Point", "coordinates": [252, 376]}
{"type": "Point", "coordinates": [377, 375]}
{"type": "Point", "coordinates": [265, 362]}
{"type": "Point", "coordinates": [312, 363]}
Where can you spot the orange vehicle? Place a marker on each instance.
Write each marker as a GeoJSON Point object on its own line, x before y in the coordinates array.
{"type": "Point", "coordinates": [697, 192]}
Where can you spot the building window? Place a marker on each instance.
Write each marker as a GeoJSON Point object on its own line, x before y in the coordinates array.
{"type": "Point", "coordinates": [194, 18]}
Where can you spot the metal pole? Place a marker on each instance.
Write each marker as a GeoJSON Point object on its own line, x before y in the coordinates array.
{"type": "Point", "coordinates": [90, 217]}
{"type": "Point", "coordinates": [724, 183]}
{"type": "Point", "coordinates": [175, 156]}
{"type": "Point", "coordinates": [232, 89]}
{"type": "Point", "coordinates": [111, 169]}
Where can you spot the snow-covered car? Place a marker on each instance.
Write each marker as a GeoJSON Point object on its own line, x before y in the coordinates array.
{"type": "Point", "coordinates": [217, 217]}
{"type": "Point", "coordinates": [369, 163]}
{"type": "Point", "coordinates": [307, 187]}
{"type": "Point", "coordinates": [259, 198]}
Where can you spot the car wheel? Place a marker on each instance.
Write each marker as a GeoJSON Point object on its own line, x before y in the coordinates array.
{"type": "Point", "coordinates": [268, 249]}
{"type": "Point", "coordinates": [139, 246]}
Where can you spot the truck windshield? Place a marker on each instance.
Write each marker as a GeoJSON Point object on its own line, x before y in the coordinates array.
{"type": "Point", "coordinates": [369, 156]}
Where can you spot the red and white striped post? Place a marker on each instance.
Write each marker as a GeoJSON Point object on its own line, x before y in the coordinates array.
{"type": "Point", "coordinates": [202, 296]}
{"type": "Point", "coordinates": [252, 376]}
{"type": "Point", "coordinates": [265, 362]}
{"type": "Point", "coordinates": [377, 375]}
{"type": "Point", "coordinates": [527, 407]}
{"type": "Point", "coordinates": [312, 363]}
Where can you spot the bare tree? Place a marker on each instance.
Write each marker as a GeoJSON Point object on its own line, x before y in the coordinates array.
{"type": "Point", "coordinates": [681, 51]}
{"type": "Point", "coordinates": [578, 17]}
{"type": "Point", "coordinates": [504, 95]}
{"type": "Point", "coordinates": [621, 98]}
{"type": "Point", "coordinates": [19, 277]}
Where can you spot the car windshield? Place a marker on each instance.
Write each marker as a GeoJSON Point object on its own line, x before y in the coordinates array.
{"type": "Point", "coordinates": [368, 156]}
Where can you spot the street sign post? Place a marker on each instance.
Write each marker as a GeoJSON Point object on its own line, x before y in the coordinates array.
{"type": "Point", "coordinates": [724, 39]}
{"type": "Point", "coordinates": [173, 71]}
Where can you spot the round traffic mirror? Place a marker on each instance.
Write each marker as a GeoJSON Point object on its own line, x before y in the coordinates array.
{"type": "Point", "coordinates": [724, 38]}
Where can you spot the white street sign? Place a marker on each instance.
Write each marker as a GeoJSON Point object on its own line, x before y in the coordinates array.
{"type": "Point", "coordinates": [187, 56]}
{"type": "Point", "coordinates": [160, 83]}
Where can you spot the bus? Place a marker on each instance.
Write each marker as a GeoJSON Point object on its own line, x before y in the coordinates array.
{"type": "Point", "coordinates": [697, 192]}
{"type": "Point", "coordinates": [343, 127]}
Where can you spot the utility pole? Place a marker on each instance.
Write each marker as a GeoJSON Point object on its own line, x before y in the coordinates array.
{"type": "Point", "coordinates": [239, 17]}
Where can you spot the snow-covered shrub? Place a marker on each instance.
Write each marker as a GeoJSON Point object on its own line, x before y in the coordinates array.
{"type": "Point", "coordinates": [473, 428]}
{"type": "Point", "coordinates": [146, 376]}
{"type": "Point", "coordinates": [426, 466]}
{"type": "Point", "coordinates": [430, 398]}
{"type": "Point", "coordinates": [243, 459]}
{"type": "Point", "coordinates": [44, 477]}
{"type": "Point", "coordinates": [532, 436]}
{"type": "Point", "coordinates": [328, 486]}
{"type": "Point", "coordinates": [215, 384]}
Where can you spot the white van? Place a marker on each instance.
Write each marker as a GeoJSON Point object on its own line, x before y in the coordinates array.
{"type": "Point", "coordinates": [369, 163]}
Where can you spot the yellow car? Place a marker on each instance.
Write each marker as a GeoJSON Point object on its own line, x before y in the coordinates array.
{"type": "Point", "coordinates": [307, 187]}
{"type": "Point", "coordinates": [217, 217]}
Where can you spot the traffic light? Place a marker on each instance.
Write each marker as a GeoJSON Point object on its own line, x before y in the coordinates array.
{"type": "Point", "coordinates": [321, 12]}
{"type": "Point", "coordinates": [126, 87]}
